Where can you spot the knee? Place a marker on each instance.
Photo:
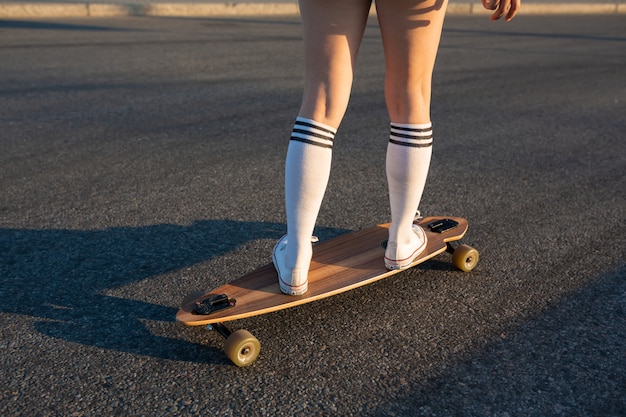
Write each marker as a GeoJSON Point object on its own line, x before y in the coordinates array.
{"type": "Point", "coordinates": [408, 101]}
{"type": "Point", "coordinates": [325, 105]}
{"type": "Point", "coordinates": [327, 91]}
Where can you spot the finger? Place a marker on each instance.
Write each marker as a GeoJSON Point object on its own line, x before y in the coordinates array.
{"type": "Point", "coordinates": [490, 4]}
{"type": "Point", "coordinates": [513, 9]}
{"type": "Point", "coordinates": [503, 6]}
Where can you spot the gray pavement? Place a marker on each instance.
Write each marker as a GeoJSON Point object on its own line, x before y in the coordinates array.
{"type": "Point", "coordinates": [142, 158]}
{"type": "Point", "coordinates": [195, 8]}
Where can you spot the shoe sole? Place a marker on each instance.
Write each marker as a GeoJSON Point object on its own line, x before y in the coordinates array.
{"type": "Point", "coordinates": [292, 290]}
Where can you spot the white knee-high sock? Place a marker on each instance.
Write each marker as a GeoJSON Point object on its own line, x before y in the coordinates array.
{"type": "Point", "coordinates": [307, 170]}
{"type": "Point", "coordinates": [408, 159]}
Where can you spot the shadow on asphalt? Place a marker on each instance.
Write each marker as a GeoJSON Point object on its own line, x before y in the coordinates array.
{"type": "Point", "coordinates": [573, 352]}
{"type": "Point", "coordinates": [59, 276]}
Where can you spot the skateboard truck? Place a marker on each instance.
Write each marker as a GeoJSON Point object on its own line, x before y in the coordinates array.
{"type": "Point", "coordinates": [220, 328]}
{"type": "Point", "coordinates": [213, 303]}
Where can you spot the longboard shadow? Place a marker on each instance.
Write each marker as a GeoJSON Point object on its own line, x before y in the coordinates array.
{"type": "Point", "coordinates": [58, 279]}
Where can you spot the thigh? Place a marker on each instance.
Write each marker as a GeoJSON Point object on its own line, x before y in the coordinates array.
{"type": "Point", "coordinates": [332, 31]}
{"type": "Point", "coordinates": [410, 30]}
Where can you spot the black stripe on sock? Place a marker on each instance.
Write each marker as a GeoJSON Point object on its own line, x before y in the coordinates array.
{"type": "Point", "coordinates": [307, 124]}
{"type": "Point", "coordinates": [311, 142]}
{"type": "Point", "coordinates": [412, 129]}
{"type": "Point", "coordinates": [398, 135]}
{"type": "Point", "coordinates": [410, 144]}
{"type": "Point", "coordinates": [317, 135]}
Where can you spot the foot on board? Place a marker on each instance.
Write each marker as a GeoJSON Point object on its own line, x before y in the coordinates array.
{"type": "Point", "coordinates": [402, 256]}
{"type": "Point", "coordinates": [291, 281]}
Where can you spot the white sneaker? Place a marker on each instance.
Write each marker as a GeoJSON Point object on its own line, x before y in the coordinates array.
{"type": "Point", "coordinates": [401, 257]}
{"type": "Point", "coordinates": [291, 281]}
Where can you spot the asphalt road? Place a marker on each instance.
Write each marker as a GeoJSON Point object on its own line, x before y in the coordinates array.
{"type": "Point", "coordinates": [141, 158]}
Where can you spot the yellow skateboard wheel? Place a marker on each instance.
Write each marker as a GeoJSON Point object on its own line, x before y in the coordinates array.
{"type": "Point", "coordinates": [242, 348]}
{"type": "Point", "coordinates": [465, 258]}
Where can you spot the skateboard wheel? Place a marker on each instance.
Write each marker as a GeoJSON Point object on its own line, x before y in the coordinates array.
{"type": "Point", "coordinates": [191, 297]}
{"type": "Point", "coordinates": [465, 258]}
{"type": "Point", "coordinates": [242, 348]}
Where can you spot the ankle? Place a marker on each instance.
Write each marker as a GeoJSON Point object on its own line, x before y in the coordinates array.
{"type": "Point", "coordinates": [298, 257]}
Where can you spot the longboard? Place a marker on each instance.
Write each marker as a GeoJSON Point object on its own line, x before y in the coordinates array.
{"type": "Point", "coordinates": [338, 265]}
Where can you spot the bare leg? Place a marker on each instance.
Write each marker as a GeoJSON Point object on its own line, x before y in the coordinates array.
{"type": "Point", "coordinates": [333, 30]}
{"type": "Point", "coordinates": [411, 30]}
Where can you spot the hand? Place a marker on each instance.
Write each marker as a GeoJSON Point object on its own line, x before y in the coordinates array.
{"type": "Point", "coordinates": [502, 7]}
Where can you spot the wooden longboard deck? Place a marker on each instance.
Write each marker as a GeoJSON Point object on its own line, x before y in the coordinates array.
{"type": "Point", "coordinates": [340, 264]}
